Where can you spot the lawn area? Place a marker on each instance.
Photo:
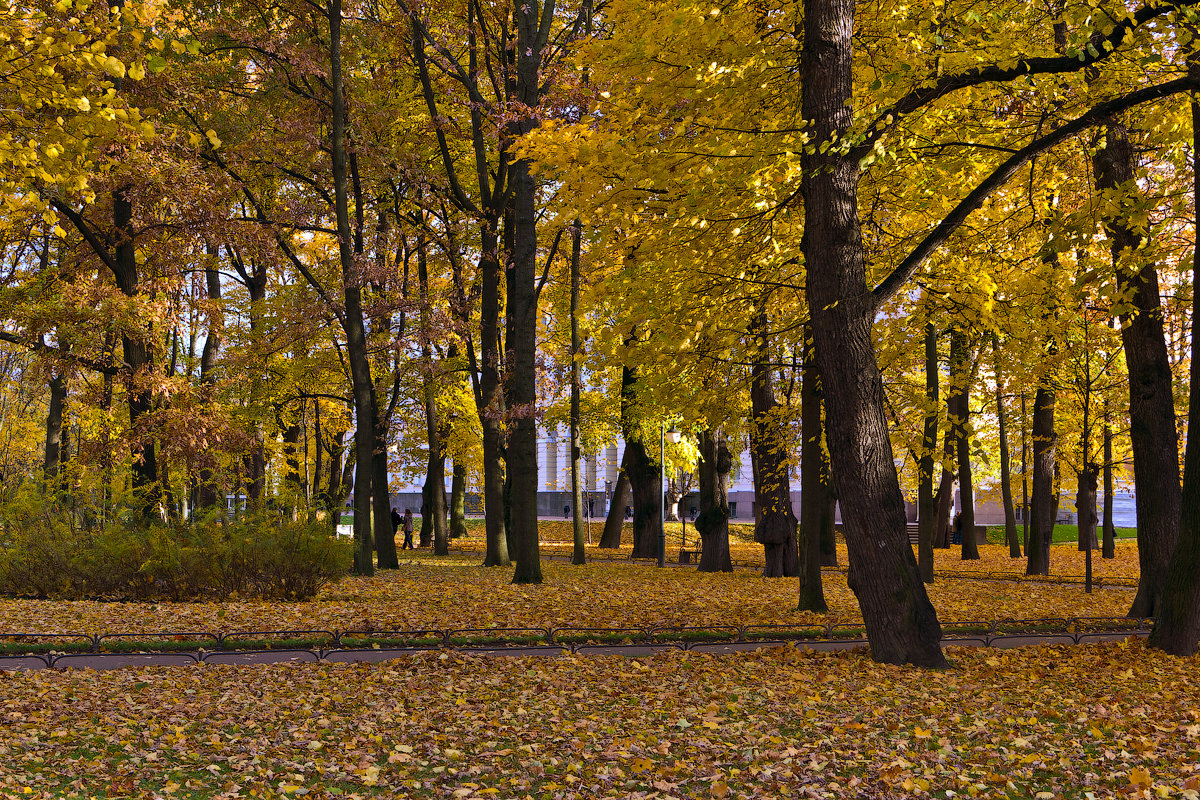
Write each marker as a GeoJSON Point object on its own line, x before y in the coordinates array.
{"type": "Point", "coordinates": [1062, 533]}
{"type": "Point", "coordinates": [1073, 722]}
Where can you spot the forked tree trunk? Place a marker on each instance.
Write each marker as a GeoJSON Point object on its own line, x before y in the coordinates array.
{"type": "Point", "coordinates": [1152, 432]}
{"type": "Point", "coordinates": [614, 522]}
{"type": "Point", "coordinates": [901, 624]}
{"type": "Point", "coordinates": [712, 523]}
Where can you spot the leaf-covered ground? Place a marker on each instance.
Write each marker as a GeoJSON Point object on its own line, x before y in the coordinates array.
{"type": "Point", "coordinates": [1111, 720]}
{"type": "Point", "coordinates": [455, 592]}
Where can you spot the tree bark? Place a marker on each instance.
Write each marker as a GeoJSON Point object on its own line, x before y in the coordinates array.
{"type": "Point", "coordinates": [774, 520]}
{"type": "Point", "coordinates": [1177, 618]}
{"type": "Point", "coordinates": [816, 510]}
{"type": "Point", "coordinates": [458, 500]}
{"type": "Point", "coordinates": [578, 554]}
{"type": "Point", "coordinates": [1011, 535]}
{"type": "Point", "coordinates": [926, 501]}
{"type": "Point", "coordinates": [491, 411]}
{"type": "Point", "coordinates": [960, 396]}
{"type": "Point", "coordinates": [1152, 432]}
{"type": "Point", "coordinates": [53, 452]}
{"type": "Point", "coordinates": [712, 523]}
{"type": "Point", "coordinates": [436, 477]}
{"type": "Point", "coordinates": [207, 494]}
{"type": "Point", "coordinates": [901, 624]}
{"type": "Point", "coordinates": [1110, 533]}
{"type": "Point", "coordinates": [1041, 512]}
{"type": "Point", "coordinates": [614, 522]}
{"type": "Point", "coordinates": [532, 32]}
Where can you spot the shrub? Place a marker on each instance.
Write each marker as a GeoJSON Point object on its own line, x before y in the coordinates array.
{"type": "Point", "coordinates": [44, 552]}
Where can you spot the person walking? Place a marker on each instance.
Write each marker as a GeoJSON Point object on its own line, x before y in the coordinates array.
{"type": "Point", "coordinates": [408, 530]}
{"type": "Point", "coordinates": [396, 520]}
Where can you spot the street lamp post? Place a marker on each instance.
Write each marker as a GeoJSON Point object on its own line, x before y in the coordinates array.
{"type": "Point", "coordinates": [663, 436]}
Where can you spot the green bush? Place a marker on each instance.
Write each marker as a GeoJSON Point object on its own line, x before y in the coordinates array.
{"type": "Point", "coordinates": [45, 552]}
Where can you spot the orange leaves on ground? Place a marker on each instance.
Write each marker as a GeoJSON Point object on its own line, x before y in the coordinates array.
{"type": "Point", "coordinates": [1110, 719]}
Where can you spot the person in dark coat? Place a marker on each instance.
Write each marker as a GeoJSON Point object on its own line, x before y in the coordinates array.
{"type": "Point", "coordinates": [396, 520]}
{"type": "Point", "coordinates": [408, 530]}
{"type": "Point", "coordinates": [957, 529]}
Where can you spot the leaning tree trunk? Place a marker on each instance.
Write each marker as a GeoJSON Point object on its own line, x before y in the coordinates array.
{"type": "Point", "coordinates": [926, 501]}
{"type": "Point", "coordinates": [901, 624]}
{"type": "Point", "coordinates": [774, 520]}
{"type": "Point", "coordinates": [1042, 506]}
{"type": "Point", "coordinates": [614, 522]}
{"type": "Point", "coordinates": [712, 523]}
{"type": "Point", "coordinates": [960, 396]}
{"type": "Point", "coordinates": [815, 508]}
{"type": "Point", "coordinates": [1152, 432]}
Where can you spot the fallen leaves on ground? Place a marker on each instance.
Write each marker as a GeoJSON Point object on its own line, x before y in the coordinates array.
{"type": "Point", "coordinates": [455, 593]}
{"type": "Point", "coordinates": [1110, 719]}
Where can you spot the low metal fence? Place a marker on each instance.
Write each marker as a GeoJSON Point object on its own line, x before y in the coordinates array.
{"type": "Point", "coordinates": [58, 649]}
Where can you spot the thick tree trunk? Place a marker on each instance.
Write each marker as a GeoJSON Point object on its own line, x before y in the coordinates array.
{"type": "Point", "coordinates": [1041, 512]}
{"type": "Point", "coordinates": [614, 522]}
{"type": "Point", "coordinates": [291, 460]}
{"type": "Point", "coordinates": [532, 30]}
{"type": "Point", "coordinates": [1152, 432]}
{"type": "Point", "coordinates": [1177, 617]}
{"type": "Point", "coordinates": [815, 508]}
{"type": "Point", "coordinates": [207, 494]}
{"type": "Point", "coordinates": [1085, 506]}
{"type": "Point", "coordinates": [645, 483]}
{"type": "Point", "coordinates": [491, 411]}
{"type": "Point", "coordinates": [578, 554]}
{"type": "Point", "coordinates": [1011, 534]}
{"type": "Point", "coordinates": [926, 501]}
{"type": "Point", "coordinates": [53, 454]}
{"type": "Point", "coordinates": [434, 529]}
{"type": "Point", "coordinates": [960, 396]}
{"type": "Point", "coordinates": [712, 523]}
{"type": "Point", "coordinates": [901, 624]}
{"type": "Point", "coordinates": [774, 520]}
{"type": "Point", "coordinates": [458, 501]}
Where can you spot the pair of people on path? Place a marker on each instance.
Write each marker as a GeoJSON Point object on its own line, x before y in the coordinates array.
{"type": "Point", "coordinates": [407, 521]}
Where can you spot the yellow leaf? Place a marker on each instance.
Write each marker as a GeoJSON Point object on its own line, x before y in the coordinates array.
{"type": "Point", "coordinates": [1140, 777]}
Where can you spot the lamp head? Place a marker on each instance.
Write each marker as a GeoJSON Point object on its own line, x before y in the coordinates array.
{"type": "Point", "coordinates": [673, 435]}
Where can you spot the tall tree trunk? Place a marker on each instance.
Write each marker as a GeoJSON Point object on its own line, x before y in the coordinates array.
{"type": "Point", "coordinates": [926, 501]}
{"type": "Point", "coordinates": [532, 29]}
{"type": "Point", "coordinates": [207, 493]}
{"type": "Point", "coordinates": [774, 520]}
{"type": "Point", "coordinates": [960, 395]}
{"type": "Point", "coordinates": [52, 455]}
{"type": "Point", "coordinates": [1110, 532]}
{"type": "Point", "coordinates": [614, 522]}
{"type": "Point", "coordinates": [945, 493]}
{"type": "Point", "coordinates": [352, 316]}
{"type": "Point", "coordinates": [1041, 512]}
{"type": "Point", "coordinates": [1152, 432]}
{"type": "Point", "coordinates": [1085, 506]}
{"type": "Point", "coordinates": [1011, 535]}
{"type": "Point", "coordinates": [1177, 618]}
{"type": "Point", "coordinates": [644, 475]}
{"type": "Point", "coordinates": [139, 360]}
{"type": "Point", "coordinates": [712, 523]}
{"type": "Point", "coordinates": [458, 500]}
{"type": "Point", "coordinates": [578, 555]}
{"type": "Point", "coordinates": [1025, 509]}
{"type": "Point", "coordinates": [815, 507]}
{"type": "Point", "coordinates": [491, 411]}
{"type": "Point", "coordinates": [901, 624]}
{"type": "Point", "coordinates": [436, 477]}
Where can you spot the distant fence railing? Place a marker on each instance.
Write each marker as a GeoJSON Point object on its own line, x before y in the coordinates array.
{"type": "Point", "coordinates": [200, 646]}
{"type": "Point", "coordinates": [965, 574]}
